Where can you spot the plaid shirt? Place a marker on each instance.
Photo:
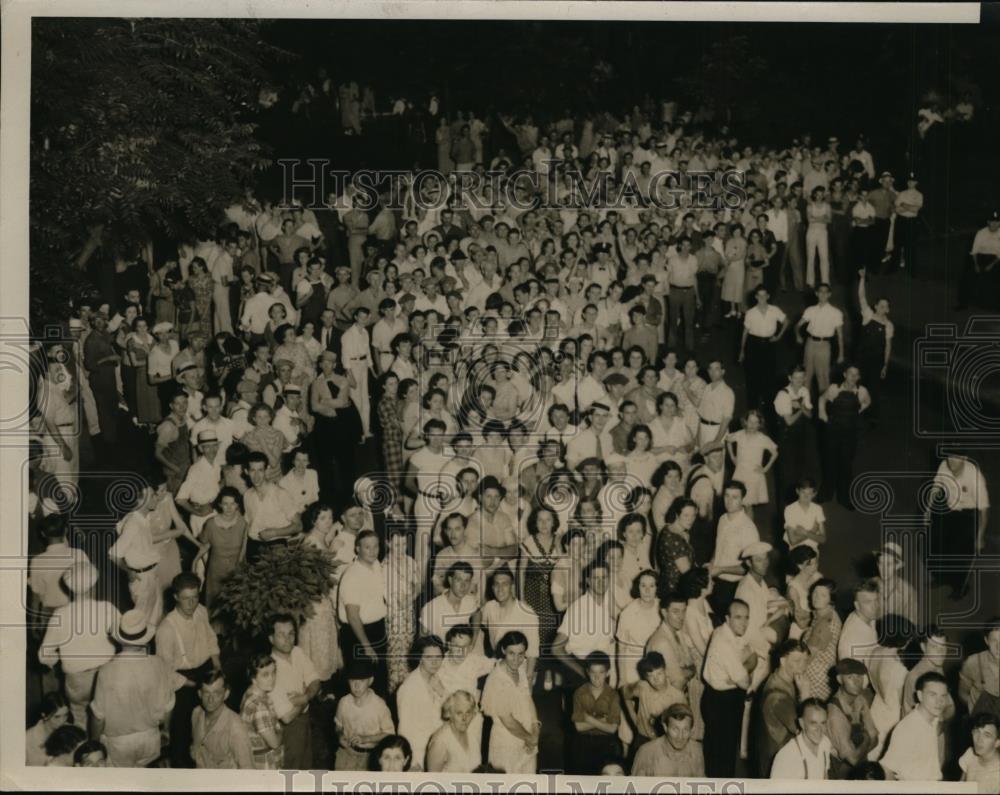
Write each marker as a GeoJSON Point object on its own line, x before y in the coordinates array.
{"type": "Point", "coordinates": [259, 716]}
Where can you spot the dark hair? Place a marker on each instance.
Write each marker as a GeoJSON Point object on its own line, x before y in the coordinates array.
{"type": "Point", "coordinates": [815, 703]}
{"type": "Point", "coordinates": [651, 661]}
{"type": "Point", "coordinates": [227, 491]}
{"type": "Point", "coordinates": [459, 629]}
{"type": "Point", "coordinates": [458, 566]}
{"type": "Point", "coordinates": [693, 582]}
{"type": "Point", "coordinates": [392, 741]}
{"type": "Point", "coordinates": [788, 647]}
{"type": "Point", "coordinates": [512, 638]}
{"type": "Point", "coordinates": [426, 642]}
{"type": "Point", "coordinates": [258, 662]}
{"type": "Point", "coordinates": [184, 581]}
{"type": "Point", "coordinates": [52, 702]}
{"type": "Point", "coordinates": [736, 484]}
{"type": "Point", "coordinates": [629, 519]}
{"type": "Point", "coordinates": [867, 771]}
{"type": "Point", "coordinates": [280, 618]}
{"type": "Point", "coordinates": [926, 678]}
{"type": "Point", "coordinates": [86, 749]}
{"type": "Point", "coordinates": [800, 555]}
{"type": "Point", "coordinates": [64, 740]}
{"type": "Point", "coordinates": [981, 719]}
{"type": "Point", "coordinates": [533, 520]}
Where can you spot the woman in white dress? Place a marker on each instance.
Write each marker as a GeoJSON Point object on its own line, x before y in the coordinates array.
{"type": "Point", "coordinates": [421, 696]}
{"type": "Point", "coordinates": [633, 533]}
{"type": "Point", "coordinates": [507, 699]}
{"type": "Point", "coordinates": [692, 388]}
{"type": "Point", "coordinates": [747, 448]}
{"type": "Point", "coordinates": [888, 676]}
{"type": "Point", "coordinates": [453, 748]}
{"type": "Point", "coordinates": [641, 462]}
{"type": "Point", "coordinates": [636, 624]}
{"type": "Point", "coordinates": [672, 439]}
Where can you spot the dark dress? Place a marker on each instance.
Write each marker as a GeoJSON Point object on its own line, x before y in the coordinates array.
{"type": "Point", "coordinates": [870, 356]}
{"type": "Point", "coordinates": [671, 546]}
{"type": "Point", "coordinates": [538, 566]}
{"type": "Point", "coordinates": [843, 434]}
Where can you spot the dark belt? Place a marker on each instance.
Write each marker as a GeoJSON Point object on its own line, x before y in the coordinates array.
{"type": "Point", "coordinates": [819, 339]}
{"type": "Point", "coordinates": [675, 287]}
{"type": "Point", "coordinates": [360, 750]}
{"type": "Point", "coordinates": [708, 422]}
{"type": "Point", "coordinates": [764, 337]}
{"type": "Point", "coordinates": [142, 571]}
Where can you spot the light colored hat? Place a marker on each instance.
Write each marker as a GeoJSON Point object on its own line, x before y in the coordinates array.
{"type": "Point", "coordinates": [283, 363]}
{"type": "Point", "coordinates": [246, 385]}
{"type": "Point", "coordinates": [204, 437]}
{"type": "Point", "coordinates": [759, 548]}
{"type": "Point", "coordinates": [291, 389]}
{"type": "Point", "coordinates": [81, 577]}
{"type": "Point", "coordinates": [133, 629]}
{"type": "Point", "coordinates": [328, 355]}
{"type": "Point", "coordinates": [891, 548]}
{"type": "Point", "coordinates": [163, 326]}
{"type": "Point", "coordinates": [75, 324]}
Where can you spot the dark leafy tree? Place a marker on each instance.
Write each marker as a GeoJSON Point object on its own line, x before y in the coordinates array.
{"type": "Point", "coordinates": [139, 128]}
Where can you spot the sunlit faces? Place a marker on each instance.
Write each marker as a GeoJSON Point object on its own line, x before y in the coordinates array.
{"type": "Point", "coordinates": [678, 732]}
{"type": "Point", "coordinates": [934, 698]}
{"type": "Point", "coordinates": [813, 723]}
{"type": "Point", "coordinates": [283, 637]}
{"type": "Point", "coordinates": [647, 588]}
{"type": "Point", "coordinates": [393, 760]}
{"type": "Point", "coordinates": [367, 548]}
{"type": "Point", "coordinates": [738, 618]}
{"type": "Point", "coordinates": [514, 655]}
{"type": "Point", "coordinates": [187, 601]}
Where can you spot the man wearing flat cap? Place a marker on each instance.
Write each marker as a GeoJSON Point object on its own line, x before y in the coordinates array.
{"type": "Point", "coordinates": [80, 647]}
{"type": "Point", "coordinates": [849, 723]}
{"type": "Point", "coordinates": [133, 696]}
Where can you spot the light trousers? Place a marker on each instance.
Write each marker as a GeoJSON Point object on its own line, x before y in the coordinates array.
{"type": "Point", "coordinates": [817, 243]}
{"type": "Point", "coordinates": [817, 362]}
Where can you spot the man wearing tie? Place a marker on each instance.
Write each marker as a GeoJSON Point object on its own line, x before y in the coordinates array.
{"type": "Point", "coordinates": [326, 332]}
{"type": "Point", "coordinates": [593, 441]}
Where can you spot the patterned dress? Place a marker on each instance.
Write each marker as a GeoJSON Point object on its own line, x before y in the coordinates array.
{"type": "Point", "coordinates": [392, 438]}
{"type": "Point", "coordinates": [670, 547]}
{"type": "Point", "coordinates": [822, 637]}
{"type": "Point", "coordinates": [318, 635]}
{"type": "Point", "coordinates": [538, 566]}
{"type": "Point", "coordinates": [203, 287]}
{"type": "Point", "coordinates": [402, 584]}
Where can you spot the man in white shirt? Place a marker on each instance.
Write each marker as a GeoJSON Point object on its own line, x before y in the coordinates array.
{"type": "Point", "coordinates": [588, 625]}
{"type": "Point", "coordinates": [224, 428]}
{"type": "Point", "coordinates": [717, 406]}
{"type": "Point", "coordinates": [292, 419]}
{"type": "Point", "coordinates": [858, 638]}
{"type": "Point", "coordinates": [736, 532]}
{"type": "Point", "coordinates": [914, 752]}
{"type": "Point", "coordinates": [505, 612]}
{"type": "Point", "coordinates": [456, 606]}
{"type": "Point", "coordinates": [355, 351]}
{"type": "Point", "coordinates": [729, 666]}
{"type": "Point", "coordinates": [202, 483]}
{"type": "Point", "coordinates": [271, 512]}
{"type": "Point", "coordinates": [984, 258]}
{"type": "Point", "coordinates": [908, 205]}
{"type": "Point", "coordinates": [807, 755]}
{"type": "Point", "coordinates": [768, 620]}
{"type": "Point", "coordinates": [296, 684]}
{"type": "Point", "coordinates": [594, 441]}
{"type": "Point", "coordinates": [961, 531]}
{"type": "Point", "coordinates": [822, 322]}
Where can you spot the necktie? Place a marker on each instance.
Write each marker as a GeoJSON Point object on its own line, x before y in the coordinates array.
{"type": "Point", "coordinates": [600, 453]}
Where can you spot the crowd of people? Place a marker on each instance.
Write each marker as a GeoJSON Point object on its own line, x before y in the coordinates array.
{"type": "Point", "coordinates": [491, 415]}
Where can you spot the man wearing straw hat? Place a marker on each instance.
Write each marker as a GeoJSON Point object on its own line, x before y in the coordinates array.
{"type": "Point", "coordinates": [80, 647]}
{"type": "Point", "coordinates": [134, 694]}
{"type": "Point", "coordinates": [201, 486]}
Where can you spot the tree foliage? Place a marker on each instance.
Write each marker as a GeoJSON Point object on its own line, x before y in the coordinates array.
{"type": "Point", "coordinates": [139, 128]}
{"type": "Point", "coordinates": [296, 576]}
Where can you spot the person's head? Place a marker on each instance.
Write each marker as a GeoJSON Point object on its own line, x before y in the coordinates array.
{"type": "Point", "coordinates": [823, 292]}
{"type": "Point", "coordinates": [366, 545]}
{"type": "Point", "coordinates": [213, 691]}
{"type": "Point", "coordinates": [458, 578]}
{"type": "Point", "coordinates": [792, 657]}
{"type": "Point", "coordinates": [677, 720]}
{"type": "Point", "coordinates": [458, 639]}
{"type": "Point", "coordinates": [597, 665]}
{"type": "Point", "coordinates": [393, 754]}
{"type": "Point", "coordinates": [62, 744]}
{"type": "Point", "coordinates": [360, 677]}
{"type": "Point", "coordinates": [822, 594]}
{"type": "Point", "coordinates": [985, 728]}
{"type": "Point", "coordinates": [596, 577]}
{"type": "Point", "coordinates": [932, 693]}
{"type": "Point", "coordinates": [866, 600]}
{"type": "Point", "coordinates": [91, 753]}
{"type": "Point", "coordinates": [852, 676]}
{"type": "Point", "coordinates": [186, 587]}
{"type": "Point", "coordinates": [512, 649]}
{"type": "Point", "coordinates": [695, 583]}
{"type": "Point", "coordinates": [54, 711]}
{"type": "Point", "coordinates": [282, 633]}
{"type": "Point", "coordinates": [652, 668]}
{"type": "Point", "coordinates": [732, 495]}
{"type": "Point", "coordinates": [673, 609]}
{"type": "Point", "coordinates": [458, 710]}
{"type": "Point", "coordinates": [812, 720]}
{"type": "Point", "coordinates": [803, 559]}
{"type": "Point", "coordinates": [992, 636]}
{"type": "Point", "coordinates": [738, 617]}
{"type": "Point", "coordinates": [428, 652]}
{"type": "Point", "coordinates": [934, 645]}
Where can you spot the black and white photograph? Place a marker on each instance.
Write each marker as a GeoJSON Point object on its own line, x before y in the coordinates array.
{"type": "Point", "coordinates": [492, 397]}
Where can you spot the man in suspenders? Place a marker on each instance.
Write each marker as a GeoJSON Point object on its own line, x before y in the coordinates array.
{"type": "Point", "coordinates": [705, 486]}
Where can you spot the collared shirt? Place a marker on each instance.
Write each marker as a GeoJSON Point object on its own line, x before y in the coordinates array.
{"type": "Point", "coordinates": [589, 625]}
{"type": "Point", "coordinates": [78, 635]}
{"type": "Point", "coordinates": [763, 323]}
{"type": "Point", "coordinates": [659, 758]}
{"type": "Point", "coordinates": [355, 347]}
{"type": "Point", "coordinates": [439, 615]}
{"type": "Point", "coordinates": [858, 639]}
{"type": "Point", "coordinates": [842, 712]}
{"type": "Point", "coordinates": [185, 643]}
{"type": "Point", "coordinates": [133, 693]}
{"type": "Point", "coordinates": [273, 509]}
{"type": "Point", "coordinates": [883, 200]}
{"type": "Point", "coordinates": [46, 569]}
{"type": "Point", "coordinates": [783, 401]}
{"type": "Point", "coordinates": [777, 224]}
{"type": "Point", "coordinates": [225, 745]}
{"type": "Point", "coordinates": [822, 320]}
{"type": "Point", "coordinates": [293, 676]}
{"type": "Point", "coordinates": [588, 444]}
{"type": "Point", "coordinates": [808, 518]}
{"type": "Point", "coordinates": [717, 402]}
{"type": "Point", "coordinates": [724, 660]}
{"type": "Point", "coordinates": [201, 485]}
{"type": "Point", "coordinates": [913, 748]}
{"type": "Point", "coordinates": [797, 761]}
{"type": "Point", "coordinates": [364, 586]}
{"type": "Point", "coordinates": [735, 533]}
{"type": "Point", "coordinates": [135, 538]}
{"type": "Point", "coordinates": [966, 491]}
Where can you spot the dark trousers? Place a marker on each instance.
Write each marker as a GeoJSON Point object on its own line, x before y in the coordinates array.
{"type": "Point", "coordinates": [353, 649]}
{"type": "Point", "coordinates": [722, 711]}
{"type": "Point", "coordinates": [904, 244]}
{"type": "Point", "coordinates": [680, 311]}
{"type": "Point", "coordinates": [590, 752]}
{"type": "Point", "coordinates": [760, 367]}
{"type": "Point", "coordinates": [953, 545]}
{"type": "Point", "coordinates": [710, 295]}
{"type": "Point", "coordinates": [773, 268]}
{"type": "Point", "coordinates": [297, 739]}
{"type": "Point", "coordinates": [841, 448]}
{"type": "Point", "coordinates": [185, 700]}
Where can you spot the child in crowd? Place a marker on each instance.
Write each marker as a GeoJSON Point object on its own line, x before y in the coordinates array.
{"type": "Point", "coordinates": [362, 719]}
{"type": "Point", "coordinates": [805, 521]}
{"type": "Point", "coordinates": [596, 713]}
{"type": "Point", "coordinates": [646, 699]}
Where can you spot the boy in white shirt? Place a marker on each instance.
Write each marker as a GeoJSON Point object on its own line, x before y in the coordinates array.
{"type": "Point", "coordinates": [805, 520]}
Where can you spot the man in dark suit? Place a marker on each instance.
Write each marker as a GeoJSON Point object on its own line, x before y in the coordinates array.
{"type": "Point", "coordinates": [327, 333]}
{"type": "Point", "coordinates": [447, 229]}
